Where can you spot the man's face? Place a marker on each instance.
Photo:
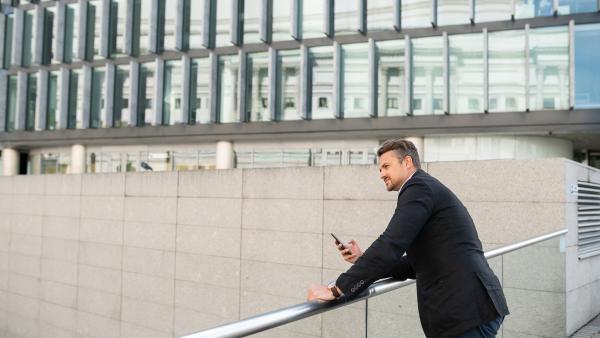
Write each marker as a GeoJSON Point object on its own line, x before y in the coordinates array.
{"type": "Point", "coordinates": [394, 171]}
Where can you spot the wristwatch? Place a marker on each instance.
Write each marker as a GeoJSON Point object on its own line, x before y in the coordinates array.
{"type": "Point", "coordinates": [334, 290]}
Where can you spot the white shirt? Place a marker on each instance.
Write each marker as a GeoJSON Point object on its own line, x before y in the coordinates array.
{"type": "Point", "coordinates": [409, 177]}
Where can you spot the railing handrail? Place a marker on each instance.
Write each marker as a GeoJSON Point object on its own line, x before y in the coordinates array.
{"type": "Point", "coordinates": [296, 312]}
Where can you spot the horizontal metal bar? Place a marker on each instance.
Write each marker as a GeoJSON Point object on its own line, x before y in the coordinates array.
{"type": "Point", "coordinates": [589, 184]}
{"type": "Point", "coordinates": [589, 254]}
{"type": "Point", "coordinates": [293, 313]}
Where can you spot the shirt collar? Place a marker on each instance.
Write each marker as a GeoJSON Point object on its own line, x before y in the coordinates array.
{"type": "Point", "coordinates": [409, 177]}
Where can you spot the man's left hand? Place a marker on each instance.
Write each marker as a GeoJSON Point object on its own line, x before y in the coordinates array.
{"type": "Point", "coordinates": [321, 293]}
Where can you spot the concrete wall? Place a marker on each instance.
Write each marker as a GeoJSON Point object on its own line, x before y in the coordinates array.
{"type": "Point", "coordinates": [167, 254]}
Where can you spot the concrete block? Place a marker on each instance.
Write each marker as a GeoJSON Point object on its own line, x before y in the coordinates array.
{"type": "Point", "coordinates": [26, 224]}
{"type": "Point", "coordinates": [282, 247]}
{"type": "Point", "coordinates": [18, 326]}
{"type": "Point", "coordinates": [65, 206]}
{"type": "Point", "coordinates": [5, 221]}
{"type": "Point", "coordinates": [59, 271]}
{"type": "Point", "coordinates": [25, 244]}
{"type": "Point", "coordinates": [356, 183]}
{"type": "Point", "coordinates": [385, 324]}
{"type": "Point", "coordinates": [101, 231]}
{"type": "Point", "coordinates": [148, 315]}
{"type": "Point", "coordinates": [402, 301]}
{"type": "Point", "coordinates": [23, 306]}
{"type": "Point", "coordinates": [63, 184]}
{"type": "Point", "coordinates": [536, 312]}
{"type": "Point", "coordinates": [203, 211]}
{"type": "Point", "coordinates": [571, 223]}
{"type": "Point", "coordinates": [4, 241]}
{"type": "Point", "coordinates": [535, 268]}
{"type": "Point", "coordinates": [101, 255]}
{"type": "Point", "coordinates": [345, 322]}
{"type": "Point", "coordinates": [60, 249]}
{"type": "Point", "coordinates": [27, 204]}
{"type": "Point", "coordinates": [218, 301]}
{"type": "Point", "coordinates": [224, 242]}
{"type": "Point", "coordinates": [6, 204]}
{"type": "Point", "coordinates": [6, 185]}
{"type": "Point", "coordinates": [103, 184]}
{"type": "Point", "coordinates": [131, 330]}
{"type": "Point", "coordinates": [363, 218]}
{"type": "Point", "coordinates": [485, 181]}
{"type": "Point", "coordinates": [99, 302]}
{"type": "Point", "coordinates": [578, 272]}
{"type": "Point", "coordinates": [100, 279]}
{"type": "Point", "coordinates": [103, 207]}
{"type": "Point", "coordinates": [189, 321]}
{"type": "Point", "coordinates": [212, 184]}
{"type": "Point", "coordinates": [279, 279]}
{"type": "Point", "coordinates": [61, 227]}
{"type": "Point", "coordinates": [150, 262]}
{"type": "Point", "coordinates": [51, 331]}
{"type": "Point", "coordinates": [148, 235]}
{"type": "Point", "coordinates": [579, 308]}
{"type": "Point", "coordinates": [58, 293]}
{"type": "Point", "coordinates": [149, 289]}
{"type": "Point", "coordinates": [574, 173]}
{"type": "Point", "coordinates": [24, 265]}
{"type": "Point", "coordinates": [60, 316]}
{"type": "Point", "coordinates": [3, 261]}
{"type": "Point", "coordinates": [28, 184]}
{"type": "Point", "coordinates": [284, 215]}
{"type": "Point", "coordinates": [151, 209]}
{"type": "Point", "coordinates": [94, 326]}
{"type": "Point", "coordinates": [24, 285]}
{"type": "Point", "coordinates": [291, 183]}
{"type": "Point", "coordinates": [213, 270]}
{"type": "Point", "coordinates": [154, 184]}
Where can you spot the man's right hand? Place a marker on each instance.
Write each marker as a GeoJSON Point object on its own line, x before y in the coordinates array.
{"type": "Point", "coordinates": [351, 253]}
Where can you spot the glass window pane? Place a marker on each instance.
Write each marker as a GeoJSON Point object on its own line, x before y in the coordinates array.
{"type": "Point", "coordinates": [118, 18]}
{"type": "Point", "coordinates": [288, 91]}
{"type": "Point", "coordinates": [257, 87]}
{"type": "Point", "coordinates": [8, 32]}
{"type": "Point", "coordinates": [53, 100]}
{"type": "Point", "coordinates": [587, 72]}
{"type": "Point", "coordinates": [146, 94]}
{"type": "Point", "coordinates": [223, 37]}
{"type": "Point", "coordinates": [390, 77]}
{"type": "Point", "coordinates": [355, 78]}
{"type": "Point", "coordinates": [97, 97]}
{"type": "Point", "coordinates": [11, 104]}
{"type": "Point", "coordinates": [48, 35]}
{"type": "Point", "coordinates": [251, 20]}
{"type": "Point", "coordinates": [71, 32]}
{"type": "Point", "coordinates": [346, 17]}
{"type": "Point", "coordinates": [549, 68]}
{"type": "Point", "coordinates": [75, 109]}
{"type": "Point", "coordinates": [228, 85]}
{"type": "Point", "coordinates": [282, 18]}
{"type": "Point", "coordinates": [427, 76]}
{"type": "Point", "coordinates": [170, 24]}
{"type": "Point", "coordinates": [141, 32]}
{"type": "Point", "coordinates": [121, 105]}
{"type": "Point", "coordinates": [172, 92]}
{"type": "Point", "coordinates": [577, 6]}
{"type": "Point", "coordinates": [507, 71]}
{"type": "Point", "coordinates": [453, 12]}
{"type": "Point", "coordinates": [94, 29]}
{"type": "Point", "coordinates": [416, 13]}
{"type": "Point", "coordinates": [321, 68]}
{"type": "Point", "coordinates": [533, 8]}
{"type": "Point", "coordinates": [200, 91]}
{"type": "Point", "coordinates": [196, 23]}
{"type": "Point", "coordinates": [380, 15]}
{"type": "Point", "coordinates": [492, 10]}
{"type": "Point", "coordinates": [31, 101]}
{"type": "Point", "coordinates": [466, 73]}
{"type": "Point", "coordinates": [313, 19]}
{"type": "Point", "coordinates": [28, 38]}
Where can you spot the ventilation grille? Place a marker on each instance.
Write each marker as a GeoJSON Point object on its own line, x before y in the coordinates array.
{"type": "Point", "coordinates": [588, 219]}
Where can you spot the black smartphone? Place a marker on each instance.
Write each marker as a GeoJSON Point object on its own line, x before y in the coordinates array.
{"type": "Point", "coordinates": [337, 240]}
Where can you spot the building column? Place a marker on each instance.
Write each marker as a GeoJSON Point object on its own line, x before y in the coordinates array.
{"type": "Point", "coordinates": [10, 162]}
{"type": "Point", "coordinates": [225, 157]}
{"type": "Point", "coordinates": [77, 159]}
{"type": "Point", "coordinates": [418, 142]}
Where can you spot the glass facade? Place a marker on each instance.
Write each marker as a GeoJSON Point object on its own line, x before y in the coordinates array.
{"type": "Point", "coordinates": [507, 71]}
{"type": "Point", "coordinates": [453, 12]}
{"type": "Point", "coordinates": [288, 85]}
{"type": "Point", "coordinates": [346, 17]}
{"type": "Point", "coordinates": [97, 97]}
{"type": "Point", "coordinates": [251, 21]}
{"type": "Point", "coordinates": [31, 101]}
{"type": "Point", "coordinates": [71, 38]}
{"type": "Point", "coordinates": [223, 23]}
{"type": "Point", "coordinates": [493, 10]}
{"type": "Point", "coordinates": [171, 92]}
{"type": "Point", "coordinates": [8, 41]}
{"type": "Point", "coordinates": [533, 8]}
{"type": "Point", "coordinates": [228, 88]}
{"type": "Point", "coordinates": [321, 82]}
{"type": "Point", "coordinates": [416, 13]}
{"type": "Point", "coordinates": [75, 99]}
{"type": "Point", "coordinates": [53, 103]}
{"type": "Point", "coordinates": [49, 35]}
{"type": "Point", "coordinates": [428, 76]}
{"type": "Point", "coordinates": [11, 103]}
{"type": "Point", "coordinates": [28, 39]}
{"type": "Point", "coordinates": [355, 95]}
{"type": "Point", "coordinates": [390, 78]}
{"type": "Point", "coordinates": [313, 19]}
{"type": "Point", "coordinates": [466, 73]}
{"type": "Point", "coordinates": [587, 72]}
{"type": "Point", "coordinates": [380, 15]}
{"type": "Point", "coordinates": [193, 35]}
{"type": "Point", "coordinates": [145, 94]}
{"type": "Point", "coordinates": [121, 113]}
{"type": "Point", "coordinates": [281, 24]}
{"type": "Point", "coordinates": [257, 87]}
{"type": "Point", "coordinates": [199, 102]}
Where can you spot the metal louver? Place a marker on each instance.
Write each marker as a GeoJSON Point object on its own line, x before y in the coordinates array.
{"type": "Point", "coordinates": [588, 219]}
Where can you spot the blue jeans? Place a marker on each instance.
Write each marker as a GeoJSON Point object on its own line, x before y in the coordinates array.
{"type": "Point", "coordinates": [486, 330]}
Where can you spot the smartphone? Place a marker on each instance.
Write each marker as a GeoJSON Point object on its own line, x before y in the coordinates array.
{"type": "Point", "coordinates": [337, 240]}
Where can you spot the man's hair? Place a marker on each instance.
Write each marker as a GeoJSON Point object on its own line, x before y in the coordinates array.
{"type": "Point", "coordinates": [401, 148]}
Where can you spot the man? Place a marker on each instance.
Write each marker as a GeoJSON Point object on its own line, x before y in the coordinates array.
{"type": "Point", "coordinates": [457, 292]}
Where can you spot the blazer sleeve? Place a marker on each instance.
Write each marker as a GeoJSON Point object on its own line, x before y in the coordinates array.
{"type": "Point", "coordinates": [384, 258]}
{"type": "Point", "coordinates": [403, 270]}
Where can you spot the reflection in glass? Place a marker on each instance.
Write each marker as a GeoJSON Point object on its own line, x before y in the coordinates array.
{"type": "Point", "coordinates": [549, 68]}
{"type": "Point", "coordinates": [199, 92]}
{"type": "Point", "coordinates": [194, 35]}
{"type": "Point", "coordinates": [118, 17]}
{"type": "Point", "coordinates": [141, 26]}
{"type": "Point", "coordinates": [172, 92]}
{"type": "Point", "coordinates": [492, 10]}
{"type": "Point", "coordinates": [466, 73]}
{"type": "Point", "coordinates": [71, 32]}
{"type": "Point", "coordinates": [282, 20]}
{"type": "Point", "coordinates": [288, 85]}
{"type": "Point", "coordinates": [11, 103]}
{"type": "Point", "coordinates": [145, 94]}
{"type": "Point", "coordinates": [313, 19]}
{"type": "Point", "coordinates": [507, 71]}
{"type": "Point", "coordinates": [53, 100]}
{"type": "Point", "coordinates": [346, 17]}
{"type": "Point", "coordinates": [228, 85]}
{"type": "Point", "coordinates": [223, 38]}
{"type": "Point", "coordinates": [577, 6]}
{"type": "Point", "coordinates": [390, 77]}
{"type": "Point", "coordinates": [170, 18]}
{"type": "Point", "coordinates": [355, 65]}
{"type": "Point", "coordinates": [587, 72]}
{"type": "Point", "coordinates": [416, 13]}
{"type": "Point", "coordinates": [453, 12]}
{"type": "Point", "coordinates": [427, 76]}
{"type": "Point", "coordinates": [28, 38]}
{"type": "Point", "coordinates": [30, 102]}
{"type": "Point", "coordinates": [48, 35]}
{"type": "Point", "coordinates": [121, 104]}
{"type": "Point", "coordinates": [97, 97]}
{"type": "Point", "coordinates": [251, 20]}
{"type": "Point", "coordinates": [8, 32]}
{"type": "Point", "coordinates": [380, 15]}
{"type": "Point", "coordinates": [94, 29]}
{"type": "Point", "coordinates": [257, 87]}
{"type": "Point", "coordinates": [533, 8]}
{"type": "Point", "coordinates": [321, 70]}
{"type": "Point", "coordinates": [75, 106]}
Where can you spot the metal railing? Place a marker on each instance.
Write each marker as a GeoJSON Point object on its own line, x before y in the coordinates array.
{"type": "Point", "coordinates": [296, 312]}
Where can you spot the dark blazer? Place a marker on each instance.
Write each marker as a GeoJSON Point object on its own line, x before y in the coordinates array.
{"type": "Point", "coordinates": [456, 289]}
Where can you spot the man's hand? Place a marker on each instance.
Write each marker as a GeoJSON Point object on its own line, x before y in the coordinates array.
{"type": "Point", "coordinates": [320, 292]}
{"type": "Point", "coordinates": [351, 253]}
